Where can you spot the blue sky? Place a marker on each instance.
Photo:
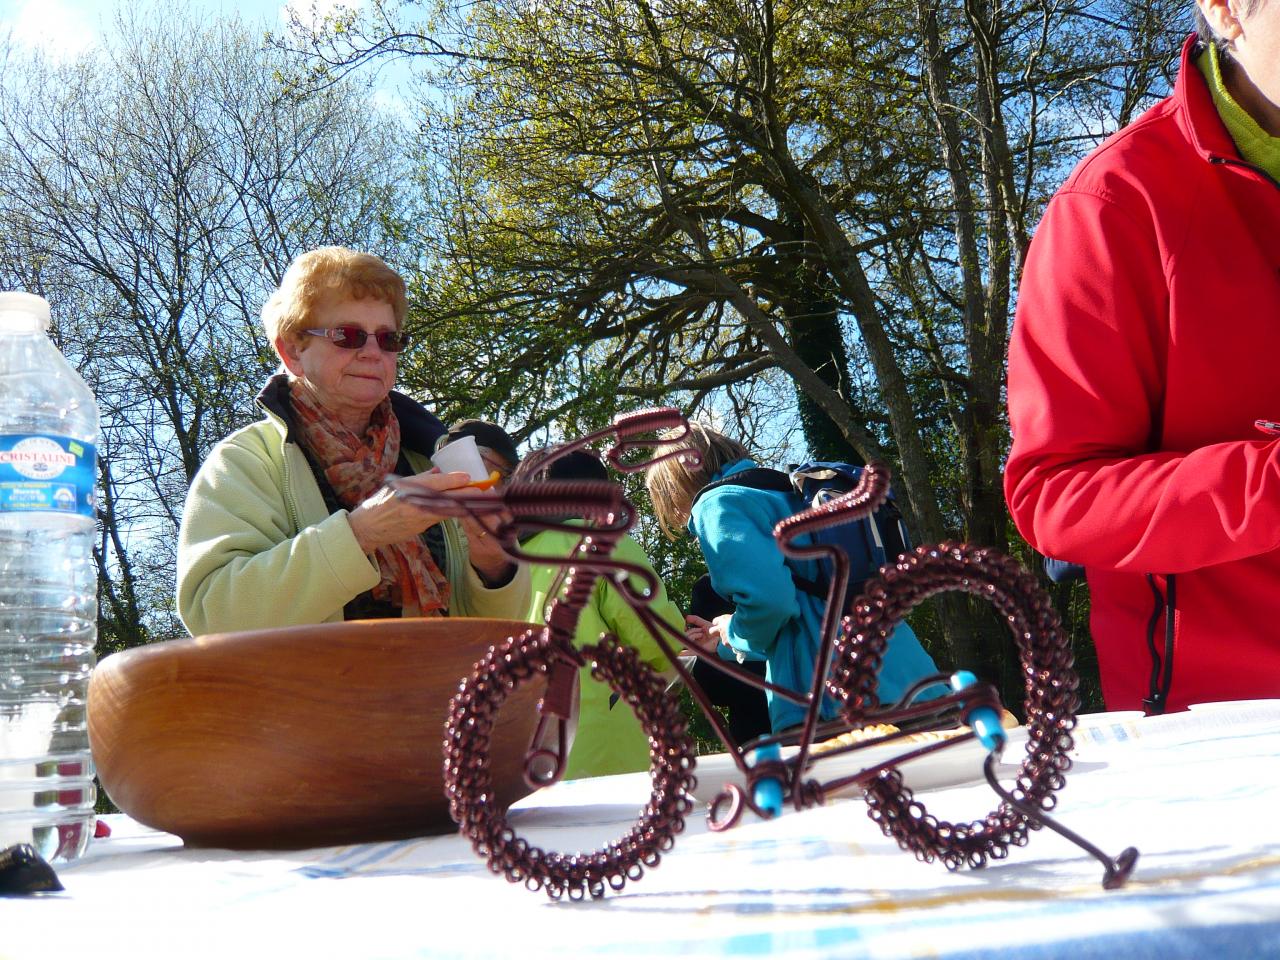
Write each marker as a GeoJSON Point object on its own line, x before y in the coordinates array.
{"type": "Point", "coordinates": [65, 28]}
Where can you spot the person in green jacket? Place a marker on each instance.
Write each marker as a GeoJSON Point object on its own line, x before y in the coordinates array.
{"type": "Point", "coordinates": [609, 738]}
{"type": "Point", "coordinates": [290, 521]}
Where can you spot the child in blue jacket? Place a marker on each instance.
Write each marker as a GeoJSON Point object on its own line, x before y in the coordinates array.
{"type": "Point", "coordinates": [773, 619]}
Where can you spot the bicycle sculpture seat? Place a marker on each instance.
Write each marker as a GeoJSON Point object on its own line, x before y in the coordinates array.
{"type": "Point", "coordinates": [852, 647]}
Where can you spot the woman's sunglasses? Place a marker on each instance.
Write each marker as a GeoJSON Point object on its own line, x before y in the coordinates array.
{"type": "Point", "coordinates": [353, 338]}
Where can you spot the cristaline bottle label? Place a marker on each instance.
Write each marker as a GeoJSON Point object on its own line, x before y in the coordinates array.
{"type": "Point", "coordinates": [48, 473]}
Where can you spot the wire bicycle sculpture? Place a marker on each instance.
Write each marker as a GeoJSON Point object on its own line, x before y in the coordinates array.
{"type": "Point", "coordinates": [853, 645]}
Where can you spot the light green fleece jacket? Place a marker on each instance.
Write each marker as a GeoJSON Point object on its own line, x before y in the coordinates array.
{"type": "Point", "coordinates": [257, 546]}
{"type": "Point", "coordinates": [609, 738]}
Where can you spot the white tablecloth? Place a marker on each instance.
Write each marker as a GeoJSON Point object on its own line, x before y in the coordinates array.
{"type": "Point", "coordinates": [1197, 793]}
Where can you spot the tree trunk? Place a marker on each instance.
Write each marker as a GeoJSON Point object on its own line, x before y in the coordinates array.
{"type": "Point", "coordinates": [818, 341]}
{"type": "Point", "coordinates": [813, 327]}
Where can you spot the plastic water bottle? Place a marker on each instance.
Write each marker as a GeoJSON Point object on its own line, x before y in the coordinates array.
{"type": "Point", "coordinates": [48, 587]}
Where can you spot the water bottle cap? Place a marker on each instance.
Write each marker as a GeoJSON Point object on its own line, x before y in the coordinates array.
{"type": "Point", "coordinates": [25, 305]}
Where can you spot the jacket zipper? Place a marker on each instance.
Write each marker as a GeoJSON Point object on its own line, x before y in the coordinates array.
{"type": "Point", "coordinates": [1161, 666]}
{"type": "Point", "coordinates": [1244, 165]}
{"type": "Point", "coordinates": [287, 478]}
{"type": "Point", "coordinates": [289, 503]}
{"type": "Point", "coordinates": [1157, 699]}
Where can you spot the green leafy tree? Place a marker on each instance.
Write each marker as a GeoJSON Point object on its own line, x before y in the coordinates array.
{"type": "Point", "coordinates": [635, 202]}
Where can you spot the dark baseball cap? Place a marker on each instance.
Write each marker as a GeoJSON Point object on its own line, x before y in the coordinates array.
{"type": "Point", "coordinates": [487, 435]}
{"type": "Point", "coordinates": [578, 465]}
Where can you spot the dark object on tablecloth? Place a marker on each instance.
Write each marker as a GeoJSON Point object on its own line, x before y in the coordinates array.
{"type": "Point", "coordinates": [24, 872]}
{"type": "Point", "coordinates": [747, 706]}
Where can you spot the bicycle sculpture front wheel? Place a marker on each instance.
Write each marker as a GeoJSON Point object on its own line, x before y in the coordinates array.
{"type": "Point", "coordinates": [469, 782]}
{"type": "Point", "coordinates": [1051, 703]}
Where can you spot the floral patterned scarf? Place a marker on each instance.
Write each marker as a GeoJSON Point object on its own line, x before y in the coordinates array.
{"type": "Point", "coordinates": [355, 468]}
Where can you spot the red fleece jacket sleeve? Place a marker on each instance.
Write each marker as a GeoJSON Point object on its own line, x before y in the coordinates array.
{"type": "Point", "coordinates": [1086, 382]}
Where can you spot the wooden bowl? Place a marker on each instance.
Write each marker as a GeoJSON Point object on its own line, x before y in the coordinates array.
{"type": "Point", "coordinates": [297, 737]}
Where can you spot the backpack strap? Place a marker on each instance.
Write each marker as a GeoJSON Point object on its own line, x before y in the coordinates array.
{"type": "Point", "coordinates": [766, 478]}
{"type": "Point", "coordinates": [890, 529]}
{"type": "Point", "coordinates": [757, 478]}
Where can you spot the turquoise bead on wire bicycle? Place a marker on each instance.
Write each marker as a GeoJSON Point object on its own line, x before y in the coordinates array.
{"type": "Point", "coordinates": [983, 720]}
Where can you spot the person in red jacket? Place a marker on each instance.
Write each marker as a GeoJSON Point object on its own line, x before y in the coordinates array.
{"type": "Point", "coordinates": [1144, 368]}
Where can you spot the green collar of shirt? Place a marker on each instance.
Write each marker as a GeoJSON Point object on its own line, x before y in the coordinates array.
{"type": "Point", "coordinates": [1255, 144]}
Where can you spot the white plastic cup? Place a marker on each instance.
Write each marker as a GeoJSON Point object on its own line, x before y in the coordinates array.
{"type": "Point", "coordinates": [463, 456]}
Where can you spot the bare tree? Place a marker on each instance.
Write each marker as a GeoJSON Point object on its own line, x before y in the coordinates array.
{"type": "Point", "coordinates": [154, 191]}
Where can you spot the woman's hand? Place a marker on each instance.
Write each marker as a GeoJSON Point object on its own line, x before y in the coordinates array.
{"type": "Point", "coordinates": [487, 556]}
{"type": "Point", "coordinates": [385, 518]}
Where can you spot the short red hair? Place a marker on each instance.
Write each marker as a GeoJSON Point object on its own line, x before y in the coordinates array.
{"type": "Point", "coordinates": [330, 273]}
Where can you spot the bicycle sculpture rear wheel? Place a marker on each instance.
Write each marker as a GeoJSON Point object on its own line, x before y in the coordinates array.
{"type": "Point", "coordinates": [469, 782]}
{"type": "Point", "coordinates": [1051, 703]}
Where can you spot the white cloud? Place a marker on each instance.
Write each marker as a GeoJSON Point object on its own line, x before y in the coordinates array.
{"type": "Point", "coordinates": [54, 27]}
{"type": "Point", "coordinates": [390, 102]}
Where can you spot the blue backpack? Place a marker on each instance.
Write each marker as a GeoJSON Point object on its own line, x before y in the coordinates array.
{"type": "Point", "coordinates": [869, 543]}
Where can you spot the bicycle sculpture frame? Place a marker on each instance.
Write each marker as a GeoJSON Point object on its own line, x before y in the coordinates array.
{"type": "Point", "coordinates": [852, 645]}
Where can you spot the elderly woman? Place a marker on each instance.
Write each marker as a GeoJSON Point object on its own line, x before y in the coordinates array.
{"type": "Point", "coordinates": [1142, 377]}
{"type": "Point", "coordinates": [289, 520]}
